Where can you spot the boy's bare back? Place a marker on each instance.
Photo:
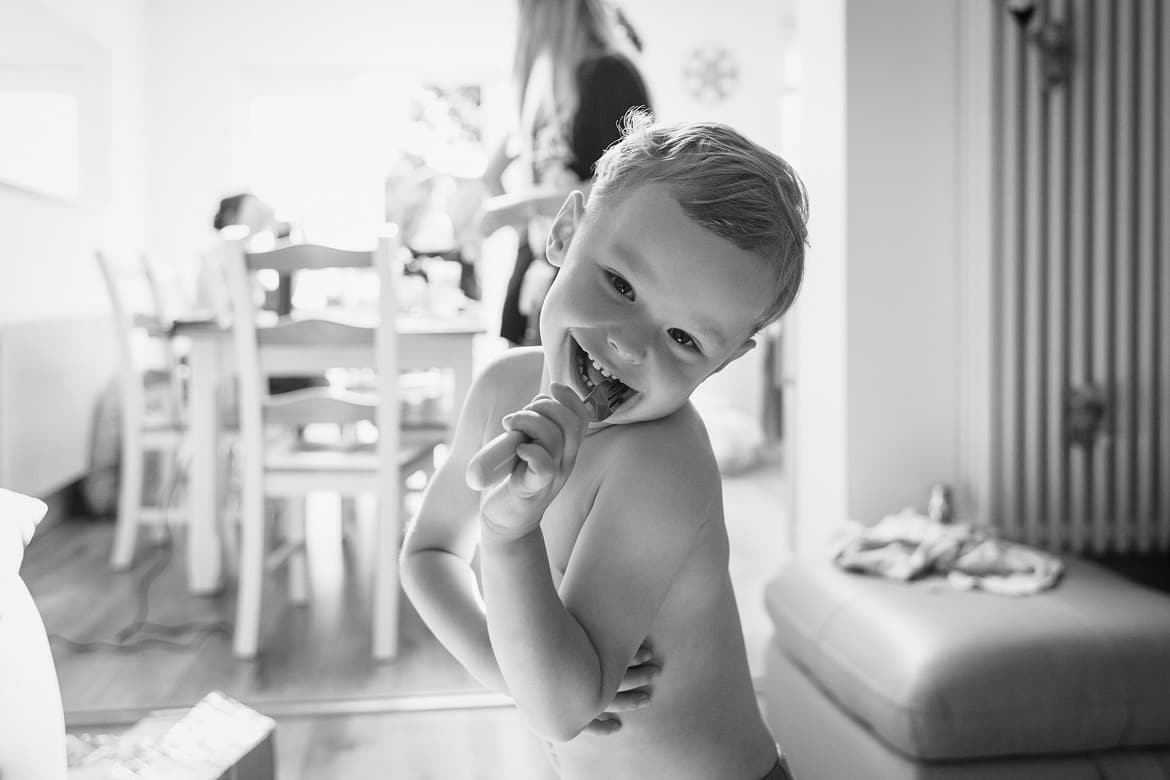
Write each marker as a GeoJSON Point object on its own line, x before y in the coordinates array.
{"type": "Point", "coordinates": [703, 720]}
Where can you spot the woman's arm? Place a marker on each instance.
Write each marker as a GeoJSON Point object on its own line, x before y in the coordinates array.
{"type": "Point", "coordinates": [493, 175]}
{"type": "Point", "coordinates": [515, 209]}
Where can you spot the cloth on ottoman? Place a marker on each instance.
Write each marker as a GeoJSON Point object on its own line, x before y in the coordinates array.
{"type": "Point", "coordinates": [944, 674]}
{"type": "Point", "coordinates": [910, 545]}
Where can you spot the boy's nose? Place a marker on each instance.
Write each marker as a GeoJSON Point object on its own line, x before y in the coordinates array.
{"type": "Point", "coordinates": [627, 345]}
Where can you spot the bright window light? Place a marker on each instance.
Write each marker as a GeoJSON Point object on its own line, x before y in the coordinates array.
{"type": "Point", "coordinates": [312, 158]}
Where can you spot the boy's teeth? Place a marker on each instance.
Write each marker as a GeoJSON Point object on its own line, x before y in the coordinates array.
{"type": "Point", "coordinates": [602, 369]}
{"type": "Point", "coordinates": [608, 378]}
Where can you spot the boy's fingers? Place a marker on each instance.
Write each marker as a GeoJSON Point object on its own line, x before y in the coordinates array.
{"type": "Point", "coordinates": [628, 701]}
{"type": "Point", "coordinates": [603, 724]}
{"type": "Point", "coordinates": [563, 415]}
{"type": "Point", "coordinates": [573, 423]}
{"type": "Point", "coordinates": [538, 428]}
{"type": "Point", "coordinates": [537, 459]}
{"type": "Point", "coordinates": [551, 423]}
{"type": "Point", "coordinates": [637, 676]}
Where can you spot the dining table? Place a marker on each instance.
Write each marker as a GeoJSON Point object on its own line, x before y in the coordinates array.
{"type": "Point", "coordinates": [425, 341]}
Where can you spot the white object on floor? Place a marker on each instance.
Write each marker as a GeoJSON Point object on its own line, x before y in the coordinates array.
{"type": "Point", "coordinates": [32, 722]}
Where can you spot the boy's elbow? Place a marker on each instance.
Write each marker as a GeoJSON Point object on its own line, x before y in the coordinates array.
{"type": "Point", "coordinates": [557, 728]}
{"type": "Point", "coordinates": [407, 563]}
{"type": "Point", "coordinates": [565, 718]}
{"type": "Point", "coordinates": [413, 566]}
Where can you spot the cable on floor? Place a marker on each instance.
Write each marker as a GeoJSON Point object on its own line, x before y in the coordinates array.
{"type": "Point", "coordinates": [150, 633]}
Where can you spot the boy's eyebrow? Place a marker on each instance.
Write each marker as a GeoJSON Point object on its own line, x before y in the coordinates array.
{"type": "Point", "coordinates": [707, 328]}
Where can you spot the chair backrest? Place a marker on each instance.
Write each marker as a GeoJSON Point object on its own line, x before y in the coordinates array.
{"type": "Point", "coordinates": [141, 331]}
{"type": "Point", "coordinates": [301, 344]}
{"type": "Point", "coordinates": [165, 290]}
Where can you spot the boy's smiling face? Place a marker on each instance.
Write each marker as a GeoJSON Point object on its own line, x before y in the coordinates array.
{"type": "Point", "coordinates": [648, 296]}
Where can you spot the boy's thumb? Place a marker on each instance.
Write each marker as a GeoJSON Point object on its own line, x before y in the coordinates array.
{"type": "Point", "coordinates": [565, 395]}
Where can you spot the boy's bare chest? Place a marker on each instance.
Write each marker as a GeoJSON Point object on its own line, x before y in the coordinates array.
{"type": "Point", "coordinates": [566, 517]}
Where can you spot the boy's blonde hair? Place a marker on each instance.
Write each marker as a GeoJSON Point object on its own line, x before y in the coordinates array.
{"type": "Point", "coordinates": [724, 182]}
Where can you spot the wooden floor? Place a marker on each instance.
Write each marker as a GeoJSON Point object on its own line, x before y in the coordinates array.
{"type": "Point", "coordinates": [337, 710]}
{"type": "Point", "coordinates": [467, 745]}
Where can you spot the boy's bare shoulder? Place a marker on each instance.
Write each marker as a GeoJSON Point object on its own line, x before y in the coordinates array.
{"type": "Point", "coordinates": [515, 372]}
{"type": "Point", "coordinates": [671, 455]}
{"type": "Point", "coordinates": [678, 434]}
{"type": "Point", "coordinates": [514, 366]}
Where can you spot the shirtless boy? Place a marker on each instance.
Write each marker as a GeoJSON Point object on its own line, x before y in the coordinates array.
{"type": "Point", "coordinates": [606, 541]}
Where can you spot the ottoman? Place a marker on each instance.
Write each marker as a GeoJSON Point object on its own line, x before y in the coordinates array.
{"type": "Point", "coordinates": [869, 678]}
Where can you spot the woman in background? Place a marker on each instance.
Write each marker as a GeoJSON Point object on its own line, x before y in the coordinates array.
{"type": "Point", "coordinates": [264, 232]}
{"type": "Point", "coordinates": [575, 76]}
{"type": "Point", "coordinates": [248, 210]}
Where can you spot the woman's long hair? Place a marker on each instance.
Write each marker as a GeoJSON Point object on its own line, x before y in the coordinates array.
{"type": "Point", "coordinates": [568, 32]}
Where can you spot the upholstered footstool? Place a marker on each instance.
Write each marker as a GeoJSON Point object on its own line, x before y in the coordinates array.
{"type": "Point", "coordinates": [869, 678]}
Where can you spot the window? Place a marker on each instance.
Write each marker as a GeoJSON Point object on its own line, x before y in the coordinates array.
{"type": "Point", "coordinates": [39, 137]}
{"type": "Point", "coordinates": [321, 149]}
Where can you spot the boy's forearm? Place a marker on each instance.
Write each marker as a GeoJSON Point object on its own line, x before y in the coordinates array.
{"type": "Point", "coordinates": [548, 662]}
{"type": "Point", "coordinates": [444, 592]}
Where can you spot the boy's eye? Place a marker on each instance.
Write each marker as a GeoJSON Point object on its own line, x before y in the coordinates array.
{"type": "Point", "coordinates": [621, 285]}
{"type": "Point", "coordinates": [682, 337]}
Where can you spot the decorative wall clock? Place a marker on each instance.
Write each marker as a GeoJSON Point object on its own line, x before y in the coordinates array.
{"type": "Point", "coordinates": [711, 74]}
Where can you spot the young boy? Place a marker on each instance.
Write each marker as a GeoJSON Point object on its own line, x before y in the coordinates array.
{"type": "Point", "coordinates": [606, 542]}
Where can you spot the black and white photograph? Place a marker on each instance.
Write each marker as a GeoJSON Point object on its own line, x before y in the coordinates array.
{"type": "Point", "coordinates": [585, 390]}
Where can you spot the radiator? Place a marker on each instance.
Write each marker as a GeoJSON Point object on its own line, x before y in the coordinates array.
{"type": "Point", "coordinates": [1081, 408]}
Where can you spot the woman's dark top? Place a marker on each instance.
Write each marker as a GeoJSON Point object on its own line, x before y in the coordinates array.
{"type": "Point", "coordinates": [609, 86]}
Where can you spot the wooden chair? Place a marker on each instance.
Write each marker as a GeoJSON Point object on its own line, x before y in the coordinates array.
{"type": "Point", "coordinates": [150, 392]}
{"type": "Point", "coordinates": [289, 467]}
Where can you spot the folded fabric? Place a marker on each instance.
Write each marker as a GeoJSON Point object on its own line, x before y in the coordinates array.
{"type": "Point", "coordinates": [909, 545]}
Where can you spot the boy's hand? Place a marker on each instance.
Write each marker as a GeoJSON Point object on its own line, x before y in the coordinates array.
{"type": "Point", "coordinates": [553, 426]}
{"type": "Point", "coordinates": [633, 694]}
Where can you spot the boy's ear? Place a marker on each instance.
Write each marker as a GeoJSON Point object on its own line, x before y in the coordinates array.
{"type": "Point", "coordinates": [740, 351]}
{"type": "Point", "coordinates": [564, 227]}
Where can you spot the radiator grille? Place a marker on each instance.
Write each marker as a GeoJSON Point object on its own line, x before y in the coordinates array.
{"type": "Point", "coordinates": [1082, 276]}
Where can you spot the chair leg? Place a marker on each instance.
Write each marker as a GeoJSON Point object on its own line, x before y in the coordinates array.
{"type": "Point", "coordinates": [349, 519]}
{"type": "Point", "coordinates": [168, 475]}
{"type": "Point", "coordinates": [251, 577]}
{"type": "Point", "coordinates": [386, 596]}
{"type": "Point", "coordinates": [293, 526]}
{"type": "Point", "coordinates": [230, 510]}
{"type": "Point", "coordinates": [129, 494]}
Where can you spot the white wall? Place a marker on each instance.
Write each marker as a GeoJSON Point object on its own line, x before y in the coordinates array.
{"type": "Point", "coordinates": [751, 30]}
{"type": "Point", "coordinates": [55, 352]}
{"type": "Point", "coordinates": [877, 360]}
{"type": "Point", "coordinates": [47, 267]}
